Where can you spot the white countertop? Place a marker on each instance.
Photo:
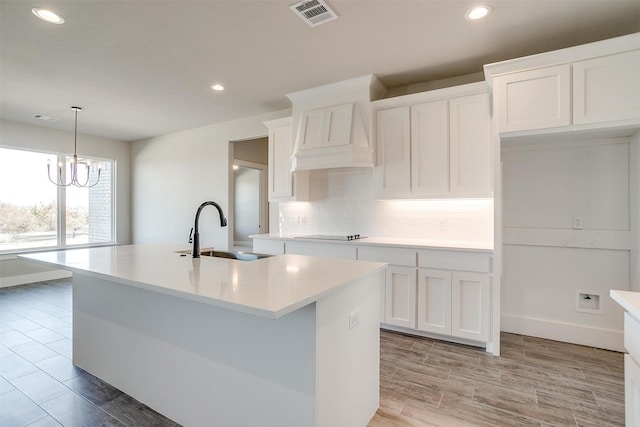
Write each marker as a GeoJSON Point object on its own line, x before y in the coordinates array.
{"type": "Point", "coordinates": [629, 300]}
{"type": "Point", "coordinates": [269, 287]}
{"type": "Point", "coordinates": [393, 242]}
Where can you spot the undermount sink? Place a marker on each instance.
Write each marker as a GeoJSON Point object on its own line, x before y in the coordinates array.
{"type": "Point", "coordinates": [240, 256]}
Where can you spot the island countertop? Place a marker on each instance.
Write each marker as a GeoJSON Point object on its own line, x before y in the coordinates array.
{"type": "Point", "coordinates": [629, 300]}
{"type": "Point", "coordinates": [269, 287]}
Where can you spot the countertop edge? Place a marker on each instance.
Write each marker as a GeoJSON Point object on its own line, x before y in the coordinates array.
{"type": "Point", "coordinates": [371, 241]}
{"type": "Point", "coordinates": [624, 299]}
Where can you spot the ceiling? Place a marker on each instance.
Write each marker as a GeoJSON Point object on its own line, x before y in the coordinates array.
{"type": "Point", "coordinates": [144, 68]}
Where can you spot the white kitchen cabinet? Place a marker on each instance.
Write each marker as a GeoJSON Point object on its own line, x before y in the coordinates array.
{"type": "Point", "coordinates": [607, 88]}
{"type": "Point", "coordinates": [400, 296]}
{"type": "Point", "coordinates": [454, 303]}
{"type": "Point", "coordinates": [434, 301]}
{"type": "Point", "coordinates": [268, 246]}
{"type": "Point", "coordinates": [283, 184]}
{"type": "Point", "coordinates": [470, 302]}
{"type": "Point", "coordinates": [534, 99]}
{"type": "Point", "coordinates": [470, 172]}
{"type": "Point", "coordinates": [325, 127]}
{"type": "Point", "coordinates": [631, 391]}
{"type": "Point", "coordinates": [394, 152]}
{"type": "Point", "coordinates": [434, 149]}
{"type": "Point", "coordinates": [430, 148]}
{"type": "Point", "coordinates": [331, 250]}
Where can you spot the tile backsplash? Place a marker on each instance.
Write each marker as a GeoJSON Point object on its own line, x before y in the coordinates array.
{"type": "Point", "coordinates": [344, 202]}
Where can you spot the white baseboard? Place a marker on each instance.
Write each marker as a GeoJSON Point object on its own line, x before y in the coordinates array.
{"type": "Point", "coordinates": [558, 331]}
{"type": "Point", "coordinates": [23, 279]}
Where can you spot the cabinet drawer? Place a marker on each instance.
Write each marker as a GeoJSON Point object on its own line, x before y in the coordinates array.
{"type": "Point", "coordinates": [632, 336]}
{"type": "Point", "coordinates": [270, 247]}
{"type": "Point", "coordinates": [321, 249]}
{"type": "Point", "coordinates": [461, 261]}
{"type": "Point", "coordinates": [393, 256]}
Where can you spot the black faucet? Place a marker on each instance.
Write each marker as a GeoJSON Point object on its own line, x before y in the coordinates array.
{"type": "Point", "coordinates": [196, 235]}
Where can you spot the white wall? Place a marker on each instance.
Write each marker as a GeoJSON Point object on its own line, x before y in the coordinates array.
{"type": "Point", "coordinates": [173, 174]}
{"type": "Point", "coordinates": [635, 211]}
{"type": "Point", "coordinates": [344, 202]}
{"type": "Point", "coordinates": [546, 261]}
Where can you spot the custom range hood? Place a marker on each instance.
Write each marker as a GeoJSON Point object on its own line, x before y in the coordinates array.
{"type": "Point", "coordinates": [332, 124]}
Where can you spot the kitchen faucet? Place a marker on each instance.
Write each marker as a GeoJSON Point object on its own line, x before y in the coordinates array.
{"type": "Point", "coordinates": [196, 235]}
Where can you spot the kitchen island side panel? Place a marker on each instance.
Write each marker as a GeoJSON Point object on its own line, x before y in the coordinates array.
{"type": "Point", "coordinates": [194, 363]}
{"type": "Point", "coordinates": [348, 356]}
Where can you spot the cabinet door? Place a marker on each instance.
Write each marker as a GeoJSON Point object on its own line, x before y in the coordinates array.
{"type": "Point", "coordinates": [607, 88]}
{"type": "Point", "coordinates": [631, 391]}
{"type": "Point", "coordinates": [280, 150]}
{"type": "Point", "coordinates": [337, 126]}
{"type": "Point", "coordinates": [434, 301]}
{"type": "Point", "coordinates": [311, 132]}
{"type": "Point", "coordinates": [470, 145]}
{"type": "Point", "coordinates": [400, 298]}
{"type": "Point", "coordinates": [534, 99]}
{"type": "Point", "coordinates": [430, 148]}
{"type": "Point", "coordinates": [393, 173]}
{"type": "Point", "coordinates": [470, 305]}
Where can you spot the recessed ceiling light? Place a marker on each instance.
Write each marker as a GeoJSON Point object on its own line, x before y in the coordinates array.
{"type": "Point", "coordinates": [217, 87]}
{"type": "Point", "coordinates": [477, 12]}
{"type": "Point", "coordinates": [47, 15]}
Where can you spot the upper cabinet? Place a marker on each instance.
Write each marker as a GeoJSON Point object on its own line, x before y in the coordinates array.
{"type": "Point", "coordinates": [283, 184]}
{"type": "Point", "coordinates": [437, 146]}
{"type": "Point", "coordinates": [534, 99]}
{"type": "Point", "coordinates": [584, 88]}
{"type": "Point", "coordinates": [607, 88]}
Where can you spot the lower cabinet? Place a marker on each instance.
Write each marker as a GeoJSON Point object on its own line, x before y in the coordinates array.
{"type": "Point", "coordinates": [400, 296]}
{"type": "Point", "coordinates": [454, 303]}
{"type": "Point", "coordinates": [631, 391]}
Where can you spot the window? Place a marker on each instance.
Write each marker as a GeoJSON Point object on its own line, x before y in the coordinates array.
{"type": "Point", "coordinates": [36, 214]}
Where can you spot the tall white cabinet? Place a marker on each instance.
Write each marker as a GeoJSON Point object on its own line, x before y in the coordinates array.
{"type": "Point", "coordinates": [283, 183]}
{"type": "Point", "coordinates": [435, 144]}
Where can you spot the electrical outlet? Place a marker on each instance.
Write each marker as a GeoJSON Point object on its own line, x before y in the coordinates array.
{"type": "Point", "coordinates": [354, 319]}
{"type": "Point", "coordinates": [577, 223]}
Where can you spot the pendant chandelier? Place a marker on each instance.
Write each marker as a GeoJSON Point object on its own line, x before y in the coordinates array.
{"type": "Point", "coordinates": [72, 171]}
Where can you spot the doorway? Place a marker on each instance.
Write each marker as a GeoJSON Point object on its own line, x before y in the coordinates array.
{"type": "Point", "coordinates": [248, 193]}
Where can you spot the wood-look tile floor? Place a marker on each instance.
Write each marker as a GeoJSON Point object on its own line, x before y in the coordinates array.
{"type": "Point", "coordinates": [423, 382]}
{"type": "Point", "coordinates": [535, 382]}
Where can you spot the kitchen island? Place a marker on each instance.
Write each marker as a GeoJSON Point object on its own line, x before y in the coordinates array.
{"type": "Point", "coordinates": [287, 340]}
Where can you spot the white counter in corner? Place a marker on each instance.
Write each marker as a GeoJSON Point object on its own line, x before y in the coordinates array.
{"type": "Point", "coordinates": [279, 341]}
{"type": "Point", "coordinates": [630, 301]}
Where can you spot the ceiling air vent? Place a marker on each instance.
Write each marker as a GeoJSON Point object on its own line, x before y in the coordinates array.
{"type": "Point", "coordinates": [47, 118]}
{"type": "Point", "coordinates": [314, 12]}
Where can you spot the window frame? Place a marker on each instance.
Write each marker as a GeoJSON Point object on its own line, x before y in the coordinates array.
{"type": "Point", "coordinates": [61, 208]}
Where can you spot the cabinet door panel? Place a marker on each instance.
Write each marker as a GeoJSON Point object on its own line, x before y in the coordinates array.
{"type": "Point", "coordinates": [321, 249]}
{"type": "Point", "coordinates": [470, 302]}
{"type": "Point", "coordinates": [607, 88]}
{"type": "Point", "coordinates": [470, 145]}
{"type": "Point", "coordinates": [534, 99]}
{"type": "Point", "coordinates": [280, 150]}
{"type": "Point", "coordinates": [430, 148]}
{"type": "Point", "coordinates": [312, 129]}
{"type": "Point", "coordinates": [337, 127]}
{"type": "Point", "coordinates": [393, 172]}
{"type": "Point", "coordinates": [434, 301]}
{"type": "Point", "coordinates": [631, 391]}
{"type": "Point", "coordinates": [400, 298]}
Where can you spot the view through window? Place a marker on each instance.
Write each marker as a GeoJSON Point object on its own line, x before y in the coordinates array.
{"type": "Point", "coordinates": [34, 213]}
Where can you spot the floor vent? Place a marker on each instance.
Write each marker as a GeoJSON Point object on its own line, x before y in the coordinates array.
{"type": "Point", "coordinates": [314, 12]}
